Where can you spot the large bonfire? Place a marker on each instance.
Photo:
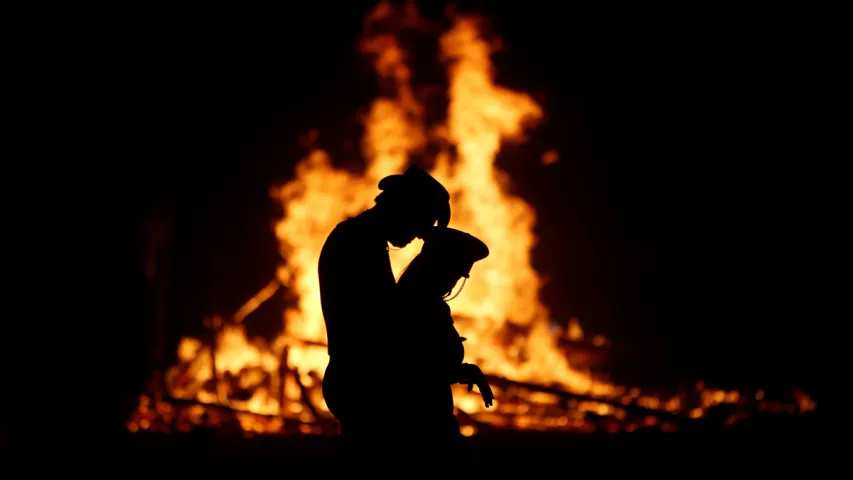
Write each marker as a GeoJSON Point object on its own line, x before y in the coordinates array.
{"type": "Point", "coordinates": [267, 386]}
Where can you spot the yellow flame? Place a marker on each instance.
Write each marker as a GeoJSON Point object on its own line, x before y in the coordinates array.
{"type": "Point", "coordinates": [508, 328]}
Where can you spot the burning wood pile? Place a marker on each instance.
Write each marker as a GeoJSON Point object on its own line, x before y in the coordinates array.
{"type": "Point", "coordinates": [268, 396]}
{"type": "Point", "coordinates": [543, 379]}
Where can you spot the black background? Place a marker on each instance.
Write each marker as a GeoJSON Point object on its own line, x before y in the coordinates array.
{"type": "Point", "coordinates": [680, 222]}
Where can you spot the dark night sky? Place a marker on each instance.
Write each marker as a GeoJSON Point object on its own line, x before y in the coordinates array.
{"type": "Point", "coordinates": [674, 224]}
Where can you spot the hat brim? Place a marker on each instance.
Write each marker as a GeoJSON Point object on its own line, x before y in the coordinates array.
{"type": "Point", "coordinates": [390, 182]}
{"type": "Point", "coordinates": [453, 239]}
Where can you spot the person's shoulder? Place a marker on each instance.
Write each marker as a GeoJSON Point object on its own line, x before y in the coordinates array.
{"type": "Point", "coordinates": [441, 307]}
{"type": "Point", "coordinates": [345, 224]}
{"type": "Point", "coordinates": [336, 240]}
{"type": "Point", "coordinates": [347, 237]}
{"type": "Point", "coordinates": [441, 315]}
{"type": "Point", "coordinates": [344, 228]}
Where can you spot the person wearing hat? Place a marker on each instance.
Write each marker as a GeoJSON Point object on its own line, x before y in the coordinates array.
{"type": "Point", "coordinates": [357, 294]}
{"type": "Point", "coordinates": [430, 348]}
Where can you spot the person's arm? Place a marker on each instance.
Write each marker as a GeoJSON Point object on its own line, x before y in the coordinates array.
{"type": "Point", "coordinates": [361, 299]}
{"type": "Point", "coordinates": [455, 349]}
{"type": "Point", "coordinates": [471, 375]}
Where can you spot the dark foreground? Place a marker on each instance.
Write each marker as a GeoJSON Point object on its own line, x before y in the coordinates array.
{"type": "Point", "coordinates": [778, 446]}
{"type": "Point", "coordinates": [667, 453]}
{"type": "Point", "coordinates": [495, 449]}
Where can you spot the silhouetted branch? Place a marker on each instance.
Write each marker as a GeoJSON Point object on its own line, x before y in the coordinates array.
{"type": "Point", "coordinates": [216, 406]}
{"type": "Point", "coordinates": [324, 423]}
{"type": "Point", "coordinates": [282, 375]}
{"type": "Point", "coordinates": [305, 398]}
{"type": "Point", "coordinates": [256, 301]}
{"type": "Point", "coordinates": [503, 383]}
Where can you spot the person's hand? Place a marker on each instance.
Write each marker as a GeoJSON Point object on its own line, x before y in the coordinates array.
{"type": "Point", "coordinates": [485, 392]}
{"type": "Point", "coordinates": [472, 375]}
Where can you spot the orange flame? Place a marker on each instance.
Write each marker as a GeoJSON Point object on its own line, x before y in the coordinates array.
{"type": "Point", "coordinates": [282, 377]}
{"type": "Point", "coordinates": [504, 288]}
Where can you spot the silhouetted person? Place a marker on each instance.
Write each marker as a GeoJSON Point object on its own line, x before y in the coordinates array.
{"type": "Point", "coordinates": [429, 345]}
{"type": "Point", "coordinates": [357, 294]}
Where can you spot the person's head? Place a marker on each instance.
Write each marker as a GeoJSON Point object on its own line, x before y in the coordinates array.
{"type": "Point", "coordinates": [447, 255]}
{"type": "Point", "coordinates": [412, 203]}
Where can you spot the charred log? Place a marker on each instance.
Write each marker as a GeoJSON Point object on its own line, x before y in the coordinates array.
{"type": "Point", "coordinates": [504, 383]}
{"type": "Point", "coordinates": [306, 398]}
{"type": "Point", "coordinates": [282, 375]}
{"type": "Point", "coordinates": [324, 423]}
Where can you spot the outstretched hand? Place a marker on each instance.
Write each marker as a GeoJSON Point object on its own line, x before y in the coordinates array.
{"type": "Point", "coordinates": [472, 375]}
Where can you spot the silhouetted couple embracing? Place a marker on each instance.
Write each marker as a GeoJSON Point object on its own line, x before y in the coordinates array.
{"type": "Point", "coordinates": [393, 350]}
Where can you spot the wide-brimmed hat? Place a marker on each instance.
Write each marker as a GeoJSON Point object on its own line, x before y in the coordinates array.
{"type": "Point", "coordinates": [418, 186]}
{"type": "Point", "coordinates": [453, 249]}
